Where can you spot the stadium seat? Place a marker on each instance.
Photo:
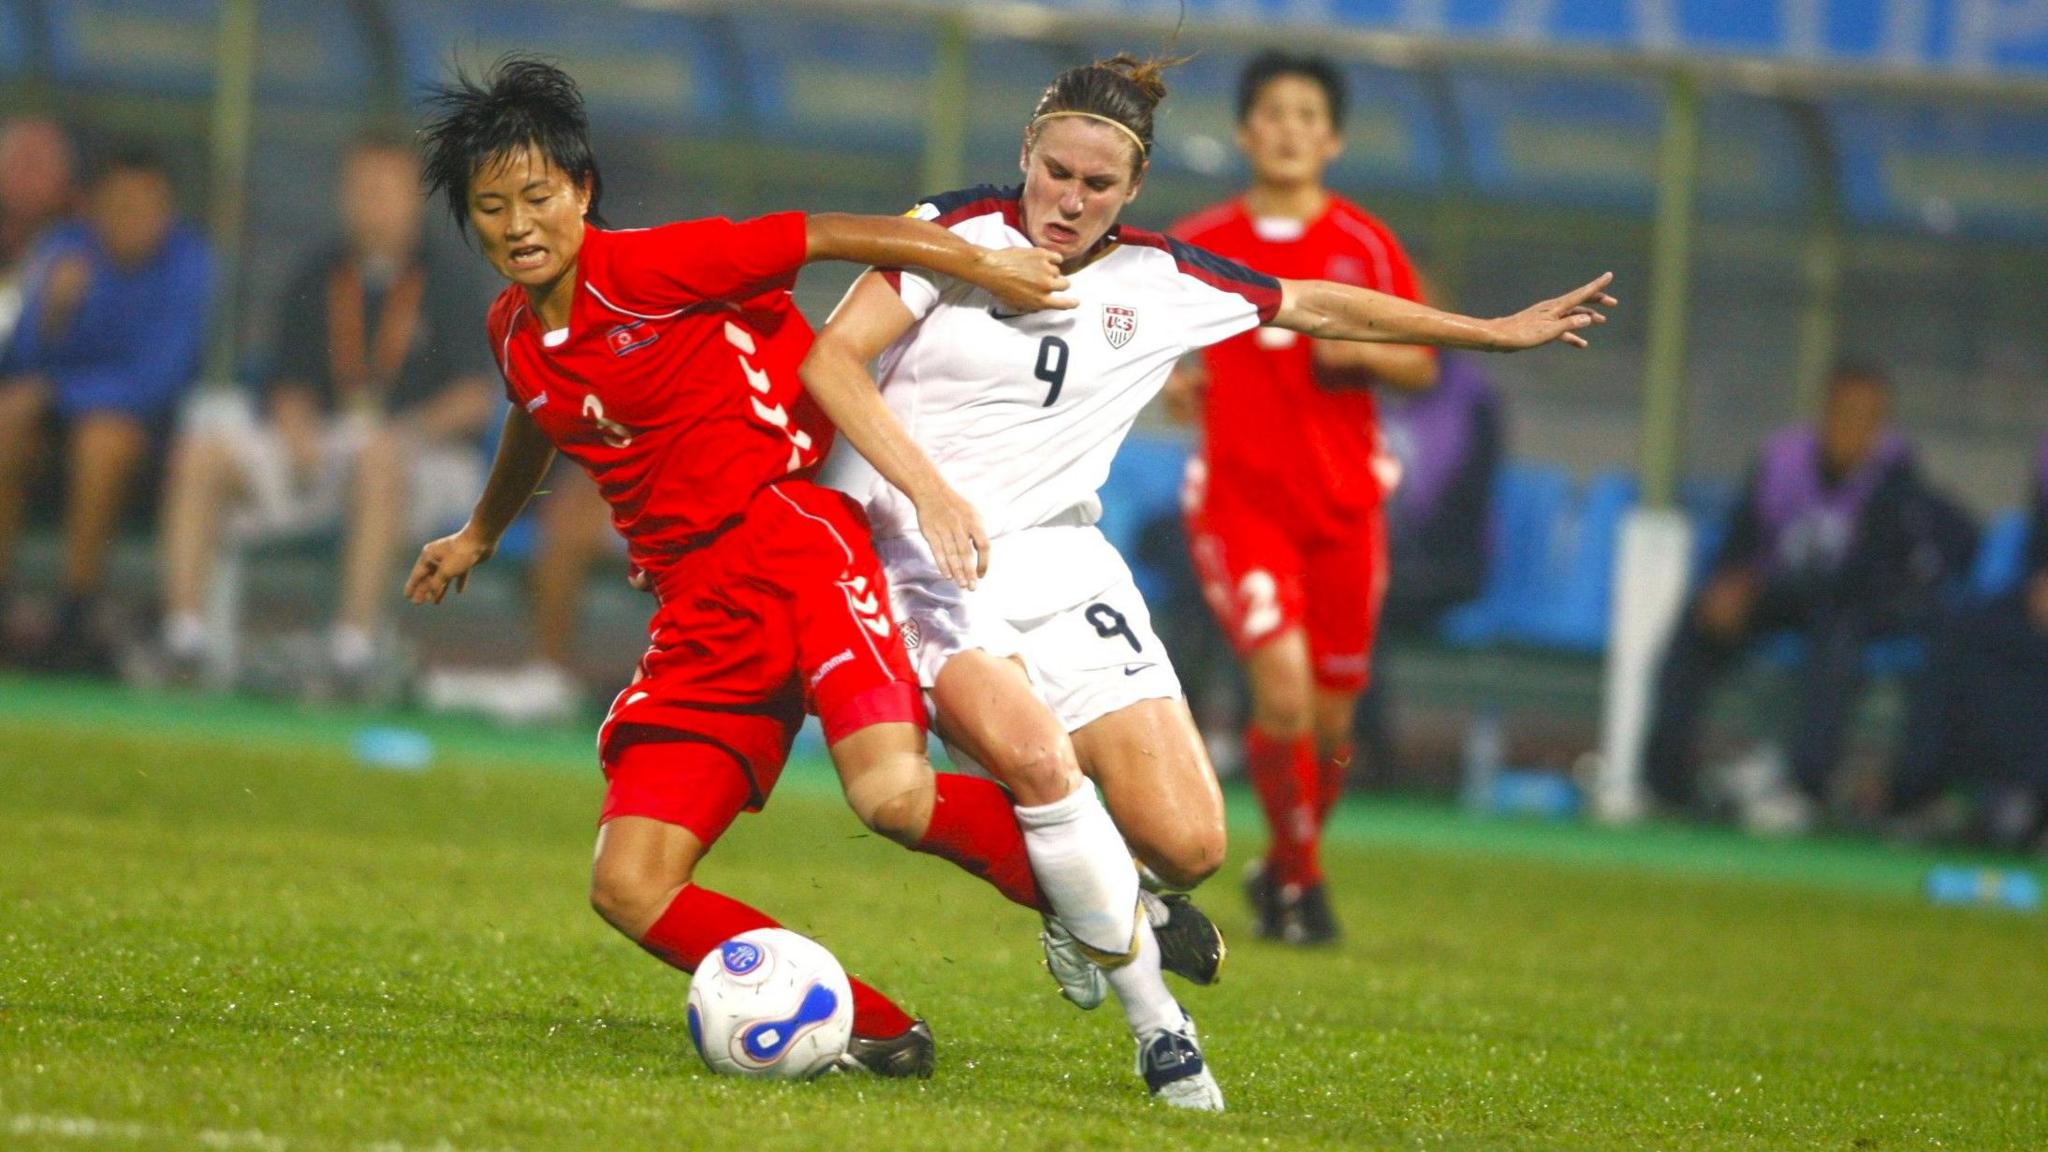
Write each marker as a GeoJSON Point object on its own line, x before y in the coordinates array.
{"type": "Point", "coordinates": [1144, 484]}
{"type": "Point", "coordinates": [306, 53]}
{"type": "Point", "coordinates": [16, 53]}
{"type": "Point", "coordinates": [1529, 501]}
{"type": "Point", "coordinates": [836, 82]}
{"type": "Point", "coordinates": [2002, 556]}
{"type": "Point", "coordinates": [1568, 611]}
{"type": "Point", "coordinates": [164, 48]}
{"type": "Point", "coordinates": [643, 70]}
{"type": "Point", "coordinates": [1886, 658]}
{"type": "Point", "coordinates": [1710, 505]}
{"type": "Point", "coordinates": [1577, 140]}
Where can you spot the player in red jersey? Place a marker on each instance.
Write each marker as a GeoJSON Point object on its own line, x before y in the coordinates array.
{"type": "Point", "coordinates": [1284, 501]}
{"type": "Point", "coordinates": [664, 361]}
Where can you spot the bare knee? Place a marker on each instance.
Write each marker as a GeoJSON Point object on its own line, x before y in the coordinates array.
{"type": "Point", "coordinates": [1037, 767]}
{"type": "Point", "coordinates": [1190, 855]}
{"type": "Point", "coordinates": [1283, 692]}
{"type": "Point", "coordinates": [987, 706]}
{"type": "Point", "coordinates": [1333, 721]}
{"type": "Point", "coordinates": [903, 818]}
{"type": "Point", "coordinates": [630, 895]}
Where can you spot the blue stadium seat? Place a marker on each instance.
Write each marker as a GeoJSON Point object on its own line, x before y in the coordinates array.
{"type": "Point", "coordinates": [305, 52]}
{"type": "Point", "coordinates": [837, 82]}
{"type": "Point", "coordinates": [15, 52]}
{"type": "Point", "coordinates": [164, 48]}
{"type": "Point", "coordinates": [1984, 166]}
{"type": "Point", "coordinates": [1144, 484]}
{"type": "Point", "coordinates": [1710, 505]}
{"type": "Point", "coordinates": [1569, 610]}
{"type": "Point", "coordinates": [2002, 557]}
{"type": "Point", "coordinates": [644, 70]}
{"type": "Point", "coordinates": [1883, 659]}
{"type": "Point", "coordinates": [1561, 139]}
{"type": "Point", "coordinates": [519, 541]}
{"type": "Point", "coordinates": [1529, 501]}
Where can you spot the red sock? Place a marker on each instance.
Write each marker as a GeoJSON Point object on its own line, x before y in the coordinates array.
{"type": "Point", "coordinates": [1336, 769]}
{"type": "Point", "coordinates": [974, 826]}
{"type": "Point", "coordinates": [698, 920]}
{"type": "Point", "coordinates": [1283, 773]}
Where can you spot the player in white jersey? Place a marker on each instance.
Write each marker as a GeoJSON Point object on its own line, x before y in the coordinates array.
{"type": "Point", "coordinates": [985, 445]}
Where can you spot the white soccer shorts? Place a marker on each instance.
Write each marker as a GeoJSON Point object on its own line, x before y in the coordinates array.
{"type": "Point", "coordinates": [1059, 598]}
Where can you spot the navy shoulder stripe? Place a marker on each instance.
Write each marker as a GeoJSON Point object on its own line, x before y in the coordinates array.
{"type": "Point", "coordinates": [1216, 271]}
{"type": "Point", "coordinates": [979, 200]}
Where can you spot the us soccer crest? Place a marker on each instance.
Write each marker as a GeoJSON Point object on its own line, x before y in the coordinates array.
{"type": "Point", "coordinates": [1119, 324]}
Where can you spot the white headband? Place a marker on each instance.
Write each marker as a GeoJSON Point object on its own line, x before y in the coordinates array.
{"type": "Point", "coordinates": [1116, 124]}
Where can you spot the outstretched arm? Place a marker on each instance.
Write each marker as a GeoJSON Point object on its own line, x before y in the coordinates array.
{"type": "Point", "coordinates": [1330, 311]}
{"type": "Point", "coordinates": [835, 372]}
{"type": "Point", "coordinates": [524, 454]}
{"type": "Point", "coordinates": [1353, 364]}
{"type": "Point", "coordinates": [1024, 279]}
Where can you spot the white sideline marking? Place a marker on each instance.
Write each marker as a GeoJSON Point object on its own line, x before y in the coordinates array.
{"type": "Point", "coordinates": [91, 1128]}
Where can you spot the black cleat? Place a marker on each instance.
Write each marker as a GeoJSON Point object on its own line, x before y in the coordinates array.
{"type": "Point", "coordinates": [914, 1053]}
{"type": "Point", "coordinates": [1308, 917]}
{"type": "Point", "coordinates": [1268, 917]}
{"type": "Point", "coordinates": [1190, 945]}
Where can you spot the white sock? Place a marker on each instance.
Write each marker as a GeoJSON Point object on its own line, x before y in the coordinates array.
{"type": "Point", "coordinates": [1148, 1006]}
{"type": "Point", "coordinates": [185, 634]}
{"type": "Point", "coordinates": [1083, 868]}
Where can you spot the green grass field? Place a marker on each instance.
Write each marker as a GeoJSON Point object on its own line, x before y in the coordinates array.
{"type": "Point", "coordinates": [216, 931]}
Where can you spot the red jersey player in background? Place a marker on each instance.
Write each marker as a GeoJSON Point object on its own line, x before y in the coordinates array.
{"type": "Point", "coordinates": [663, 361]}
{"type": "Point", "coordinates": [1284, 501]}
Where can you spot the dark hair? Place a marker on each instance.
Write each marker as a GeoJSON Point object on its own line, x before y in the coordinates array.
{"type": "Point", "coordinates": [1859, 371]}
{"type": "Point", "coordinates": [131, 156]}
{"type": "Point", "coordinates": [1122, 88]}
{"type": "Point", "coordinates": [1267, 67]}
{"type": "Point", "coordinates": [521, 101]}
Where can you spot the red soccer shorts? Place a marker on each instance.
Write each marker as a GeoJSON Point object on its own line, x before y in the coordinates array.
{"type": "Point", "coordinates": [1263, 573]}
{"type": "Point", "coordinates": [785, 610]}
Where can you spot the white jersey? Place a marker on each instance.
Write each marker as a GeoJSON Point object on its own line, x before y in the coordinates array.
{"type": "Point", "coordinates": [1023, 413]}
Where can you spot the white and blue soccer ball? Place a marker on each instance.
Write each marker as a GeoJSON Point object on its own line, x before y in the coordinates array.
{"type": "Point", "coordinates": [772, 1005]}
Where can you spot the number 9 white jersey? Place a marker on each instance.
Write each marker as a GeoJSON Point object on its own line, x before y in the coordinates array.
{"type": "Point", "coordinates": [1023, 413]}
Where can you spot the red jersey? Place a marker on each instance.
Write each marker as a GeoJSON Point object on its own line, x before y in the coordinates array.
{"type": "Point", "coordinates": [675, 382]}
{"type": "Point", "coordinates": [1268, 421]}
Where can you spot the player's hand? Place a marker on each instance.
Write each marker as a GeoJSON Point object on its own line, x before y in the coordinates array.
{"type": "Point", "coordinates": [1185, 391]}
{"type": "Point", "coordinates": [445, 563]}
{"type": "Point", "coordinates": [953, 529]}
{"type": "Point", "coordinates": [1023, 279]}
{"type": "Point", "coordinates": [1559, 318]}
{"type": "Point", "coordinates": [638, 580]}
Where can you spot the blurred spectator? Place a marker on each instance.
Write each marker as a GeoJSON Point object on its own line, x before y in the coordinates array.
{"type": "Point", "coordinates": [1836, 537]}
{"type": "Point", "coordinates": [113, 317]}
{"type": "Point", "coordinates": [36, 192]}
{"type": "Point", "coordinates": [370, 416]}
{"type": "Point", "coordinates": [1977, 719]}
{"type": "Point", "coordinates": [1449, 442]}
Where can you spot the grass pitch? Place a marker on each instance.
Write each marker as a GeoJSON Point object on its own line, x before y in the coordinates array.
{"type": "Point", "coordinates": [217, 931]}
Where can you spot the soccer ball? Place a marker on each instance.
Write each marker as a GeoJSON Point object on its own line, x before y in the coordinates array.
{"type": "Point", "coordinates": [772, 1005]}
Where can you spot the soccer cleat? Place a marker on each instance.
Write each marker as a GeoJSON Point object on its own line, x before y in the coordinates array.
{"type": "Point", "coordinates": [914, 1053]}
{"type": "Point", "coordinates": [1268, 917]}
{"type": "Point", "coordinates": [1308, 916]}
{"type": "Point", "coordinates": [1190, 944]}
{"type": "Point", "coordinates": [1081, 981]}
{"type": "Point", "coordinates": [1174, 1071]}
